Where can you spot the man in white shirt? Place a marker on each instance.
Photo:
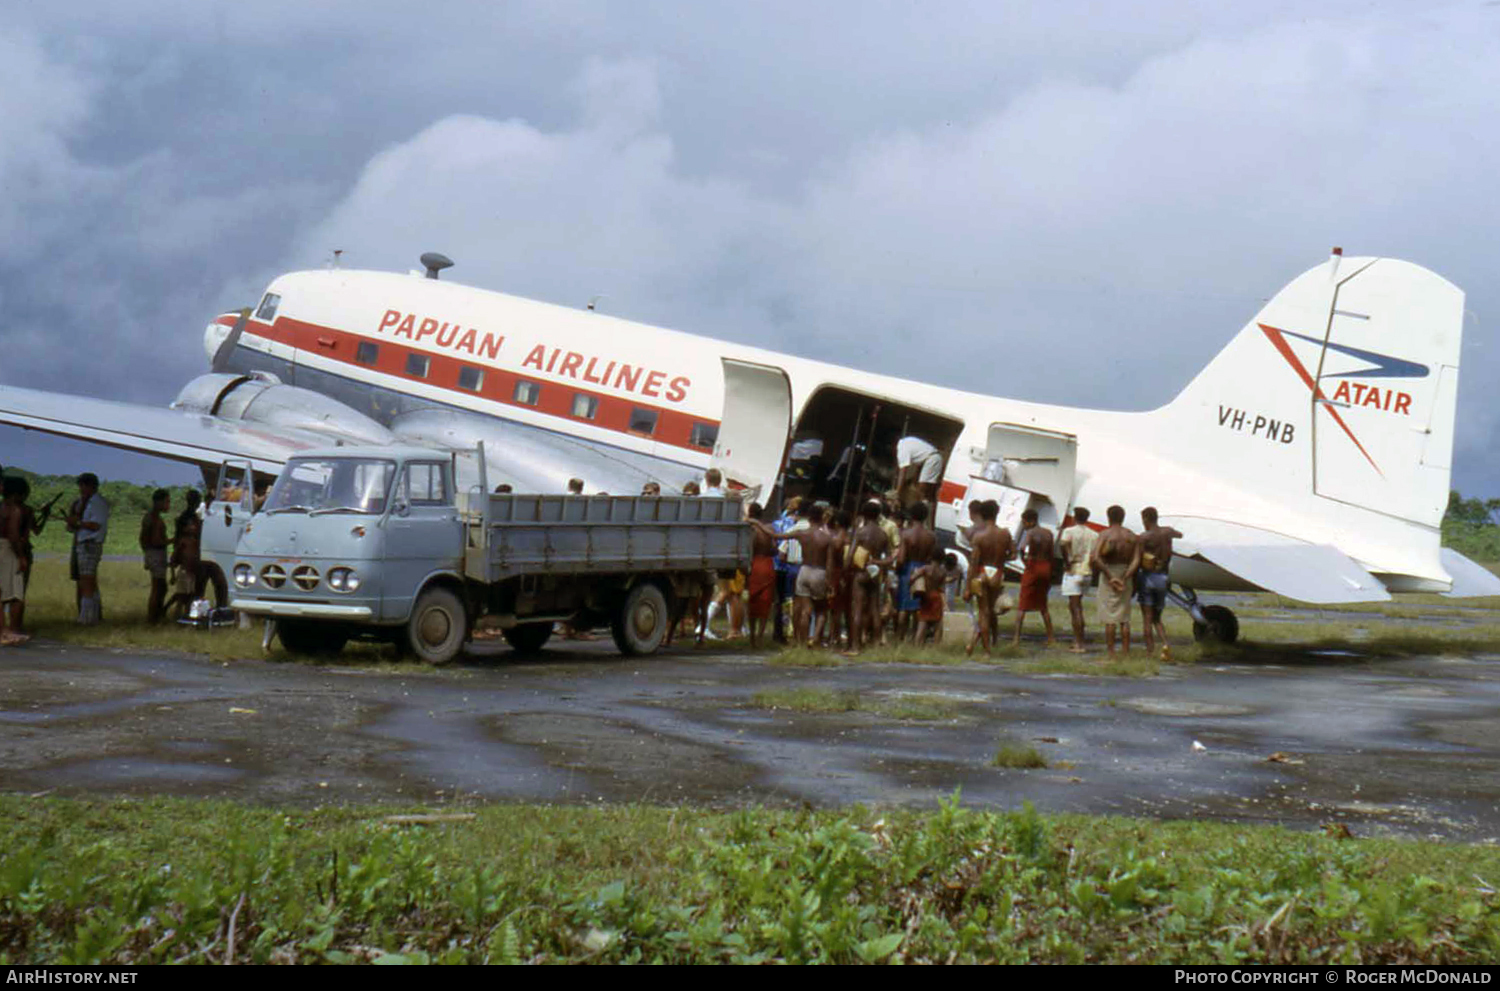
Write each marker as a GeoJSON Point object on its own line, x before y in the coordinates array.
{"type": "Point", "coordinates": [713, 484]}
{"type": "Point", "coordinates": [921, 463]}
{"type": "Point", "coordinates": [1076, 543]}
{"type": "Point", "coordinates": [88, 521]}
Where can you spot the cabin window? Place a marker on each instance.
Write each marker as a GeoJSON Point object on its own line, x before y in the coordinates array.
{"type": "Point", "coordinates": [528, 393]}
{"type": "Point", "coordinates": [417, 364]}
{"type": "Point", "coordinates": [425, 484]}
{"type": "Point", "coordinates": [366, 353]}
{"type": "Point", "coordinates": [704, 435]}
{"type": "Point", "coordinates": [267, 311]}
{"type": "Point", "coordinates": [643, 421]}
{"type": "Point", "coordinates": [470, 378]}
{"type": "Point", "coordinates": [585, 407]}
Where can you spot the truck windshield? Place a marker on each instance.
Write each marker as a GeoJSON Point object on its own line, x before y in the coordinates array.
{"type": "Point", "coordinates": [355, 485]}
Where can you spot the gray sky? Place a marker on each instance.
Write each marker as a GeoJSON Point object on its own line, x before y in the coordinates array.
{"type": "Point", "coordinates": [887, 185]}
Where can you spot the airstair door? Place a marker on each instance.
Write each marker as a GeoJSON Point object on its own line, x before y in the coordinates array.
{"type": "Point", "coordinates": [755, 427]}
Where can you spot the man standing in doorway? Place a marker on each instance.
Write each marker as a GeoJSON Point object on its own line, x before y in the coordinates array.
{"type": "Point", "coordinates": [88, 521]}
{"type": "Point", "coordinates": [921, 463]}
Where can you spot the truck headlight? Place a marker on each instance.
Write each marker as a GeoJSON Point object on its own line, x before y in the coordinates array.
{"type": "Point", "coordinates": [343, 580]}
{"type": "Point", "coordinates": [244, 575]}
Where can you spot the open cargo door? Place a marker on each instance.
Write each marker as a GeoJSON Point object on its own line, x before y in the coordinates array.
{"type": "Point", "coordinates": [1025, 468]}
{"type": "Point", "coordinates": [755, 427]}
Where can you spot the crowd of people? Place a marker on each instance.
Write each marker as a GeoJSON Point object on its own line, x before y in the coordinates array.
{"type": "Point", "coordinates": [172, 561]}
{"type": "Point", "coordinates": [822, 578]}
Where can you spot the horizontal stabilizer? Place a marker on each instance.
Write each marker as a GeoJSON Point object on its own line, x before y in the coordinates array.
{"type": "Point", "coordinates": [1470, 580]}
{"type": "Point", "coordinates": [1317, 573]}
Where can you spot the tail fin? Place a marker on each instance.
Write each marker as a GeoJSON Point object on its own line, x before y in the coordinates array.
{"type": "Point", "coordinates": [1343, 387]}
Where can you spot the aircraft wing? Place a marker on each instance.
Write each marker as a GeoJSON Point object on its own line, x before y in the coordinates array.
{"type": "Point", "coordinates": [1294, 568]}
{"type": "Point", "coordinates": [179, 435]}
{"type": "Point", "coordinates": [1470, 580]}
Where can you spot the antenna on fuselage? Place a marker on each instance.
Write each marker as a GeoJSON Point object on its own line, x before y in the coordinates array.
{"type": "Point", "coordinates": [435, 263]}
{"type": "Point", "coordinates": [594, 301]}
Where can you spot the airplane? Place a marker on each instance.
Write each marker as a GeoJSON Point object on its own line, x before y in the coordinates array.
{"type": "Point", "coordinates": [1310, 458]}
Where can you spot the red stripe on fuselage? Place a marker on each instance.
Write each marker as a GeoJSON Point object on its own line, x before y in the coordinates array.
{"type": "Point", "coordinates": [673, 427]}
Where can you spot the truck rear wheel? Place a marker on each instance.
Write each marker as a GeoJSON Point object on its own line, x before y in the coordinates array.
{"type": "Point", "coordinates": [527, 638]}
{"type": "Point", "coordinates": [438, 626]}
{"type": "Point", "coordinates": [301, 636]}
{"type": "Point", "coordinates": [643, 620]}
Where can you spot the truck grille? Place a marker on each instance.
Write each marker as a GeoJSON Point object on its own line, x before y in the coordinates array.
{"type": "Point", "coordinates": [273, 575]}
{"type": "Point", "coordinates": [306, 577]}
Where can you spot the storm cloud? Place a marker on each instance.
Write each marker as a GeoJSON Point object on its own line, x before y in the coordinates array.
{"type": "Point", "coordinates": [1076, 204]}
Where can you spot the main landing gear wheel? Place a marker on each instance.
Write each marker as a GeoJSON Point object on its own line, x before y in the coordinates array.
{"type": "Point", "coordinates": [438, 626]}
{"type": "Point", "coordinates": [528, 638]}
{"type": "Point", "coordinates": [1220, 626]}
{"type": "Point", "coordinates": [643, 620]}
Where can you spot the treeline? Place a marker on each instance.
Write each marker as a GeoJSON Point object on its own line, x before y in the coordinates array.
{"type": "Point", "coordinates": [1469, 527]}
{"type": "Point", "coordinates": [128, 502]}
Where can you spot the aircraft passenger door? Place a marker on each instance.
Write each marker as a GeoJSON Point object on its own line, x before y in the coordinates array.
{"type": "Point", "coordinates": [755, 427]}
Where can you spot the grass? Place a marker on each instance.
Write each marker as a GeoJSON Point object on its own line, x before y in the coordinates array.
{"type": "Point", "coordinates": [156, 881]}
{"type": "Point", "coordinates": [1017, 756]}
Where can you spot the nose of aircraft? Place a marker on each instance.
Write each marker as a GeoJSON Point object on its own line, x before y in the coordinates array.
{"type": "Point", "coordinates": [213, 336]}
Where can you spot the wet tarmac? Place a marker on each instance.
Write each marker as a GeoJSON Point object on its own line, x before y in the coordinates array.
{"type": "Point", "coordinates": [1406, 747]}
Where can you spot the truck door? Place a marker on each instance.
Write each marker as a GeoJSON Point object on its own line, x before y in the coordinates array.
{"type": "Point", "coordinates": [423, 533]}
{"type": "Point", "coordinates": [233, 501]}
{"type": "Point", "coordinates": [755, 427]}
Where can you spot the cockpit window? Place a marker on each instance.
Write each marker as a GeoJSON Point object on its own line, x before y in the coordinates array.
{"type": "Point", "coordinates": [267, 311]}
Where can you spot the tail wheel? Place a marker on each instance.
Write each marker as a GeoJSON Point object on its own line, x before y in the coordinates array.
{"type": "Point", "coordinates": [1220, 625]}
{"type": "Point", "coordinates": [643, 620]}
{"type": "Point", "coordinates": [438, 626]}
{"type": "Point", "coordinates": [528, 638]}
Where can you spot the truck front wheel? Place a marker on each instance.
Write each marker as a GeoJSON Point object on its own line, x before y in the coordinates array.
{"type": "Point", "coordinates": [438, 626]}
{"type": "Point", "coordinates": [643, 620]}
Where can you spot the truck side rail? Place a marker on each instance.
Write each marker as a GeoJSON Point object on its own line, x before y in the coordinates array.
{"type": "Point", "coordinates": [571, 535]}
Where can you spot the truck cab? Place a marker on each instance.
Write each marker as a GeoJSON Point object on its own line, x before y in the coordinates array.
{"type": "Point", "coordinates": [351, 537]}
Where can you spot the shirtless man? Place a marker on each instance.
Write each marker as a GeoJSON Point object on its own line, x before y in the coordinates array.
{"type": "Point", "coordinates": [762, 572]}
{"type": "Point", "coordinates": [1151, 579]}
{"type": "Point", "coordinates": [153, 541]}
{"type": "Point", "coordinates": [1036, 582]}
{"type": "Point", "coordinates": [870, 550]}
{"type": "Point", "coordinates": [914, 551]}
{"type": "Point", "coordinates": [992, 548]}
{"type": "Point", "coordinates": [811, 593]}
{"type": "Point", "coordinates": [1077, 545]}
{"type": "Point", "coordinates": [1117, 553]}
{"type": "Point", "coordinates": [838, 577]}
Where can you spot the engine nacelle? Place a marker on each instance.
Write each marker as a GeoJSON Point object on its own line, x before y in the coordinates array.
{"type": "Point", "coordinates": [261, 398]}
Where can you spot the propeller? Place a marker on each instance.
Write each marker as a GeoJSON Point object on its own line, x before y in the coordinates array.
{"type": "Point", "coordinates": [227, 346]}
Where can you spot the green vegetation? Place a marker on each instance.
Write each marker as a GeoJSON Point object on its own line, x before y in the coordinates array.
{"type": "Point", "coordinates": [130, 882]}
{"type": "Point", "coordinates": [1469, 527]}
{"type": "Point", "coordinates": [1015, 755]}
{"type": "Point", "coordinates": [128, 502]}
